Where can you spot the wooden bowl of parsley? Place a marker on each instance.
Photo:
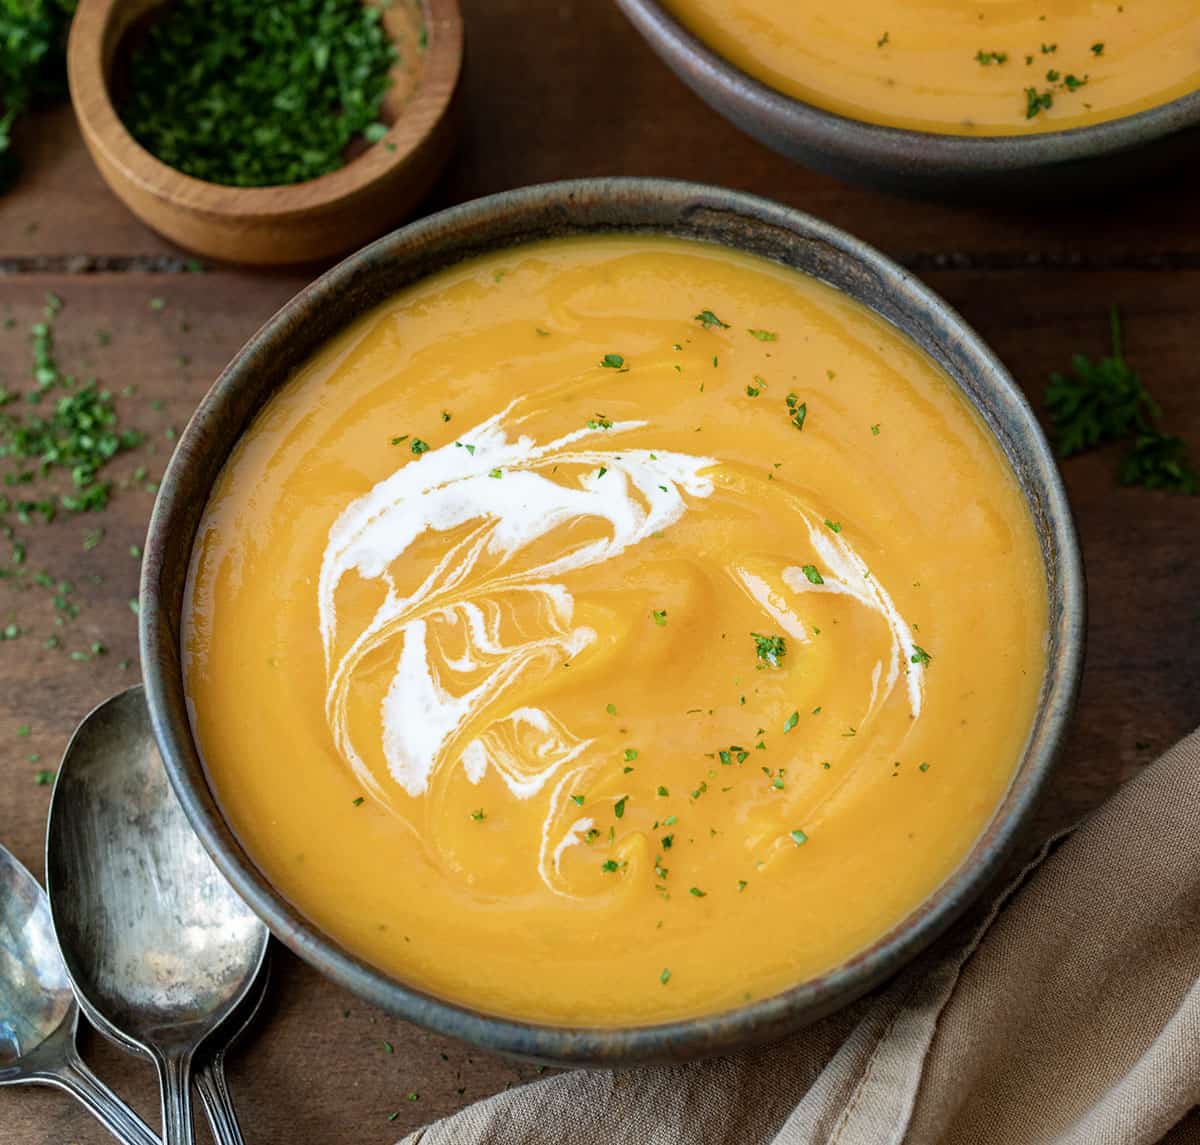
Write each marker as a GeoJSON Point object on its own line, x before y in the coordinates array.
{"type": "Point", "coordinates": [267, 133]}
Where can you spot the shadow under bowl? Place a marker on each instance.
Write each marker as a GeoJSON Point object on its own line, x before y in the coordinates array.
{"type": "Point", "coordinates": [1009, 170]}
{"type": "Point", "coordinates": [603, 206]}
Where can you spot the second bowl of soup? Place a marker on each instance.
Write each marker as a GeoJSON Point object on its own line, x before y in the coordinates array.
{"type": "Point", "coordinates": [999, 99]}
{"type": "Point", "coordinates": [618, 620]}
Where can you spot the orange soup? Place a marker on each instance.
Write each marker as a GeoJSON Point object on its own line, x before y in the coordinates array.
{"type": "Point", "coordinates": [613, 630]}
{"type": "Point", "coordinates": [991, 67]}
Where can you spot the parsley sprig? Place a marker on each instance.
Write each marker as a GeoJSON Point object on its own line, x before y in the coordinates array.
{"type": "Point", "coordinates": [1104, 401]}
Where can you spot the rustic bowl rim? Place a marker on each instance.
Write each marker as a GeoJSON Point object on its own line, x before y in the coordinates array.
{"type": "Point", "coordinates": [871, 144]}
{"type": "Point", "coordinates": [506, 220]}
{"type": "Point", "coordinates": [429, 105]}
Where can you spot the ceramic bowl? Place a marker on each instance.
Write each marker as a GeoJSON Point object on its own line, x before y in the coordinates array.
{"type": "Point", "coordinates": [1008, 169]}
{"type": "Point", "coordinates": [298, 222]}
{"type": "Point", "coordinates": [607, 206]}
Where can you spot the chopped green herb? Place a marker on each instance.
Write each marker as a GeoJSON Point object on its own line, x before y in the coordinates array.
{"type": "Point", "coordinates": [798, 837]}
{"type": "Point", "coordinates": [611, 709]}
{"type": "Point", "coordinates": [42, 778]}
{"type": "Point", "coordinates": [359, 801]}
{"type": "Point", "coordinates": [418, 446]}
{"type": "Point", "coordinates": [697, 892]}
{"type": "Point", "coordinates": [791, 722]}
{"type": "Point", "coordinates": [612, 361]}
{"type": "Point", "coordinates": [619, 807]}
{"type": "Point", "coordinates": [922, 767]}
{"type": "Point", "coordinates": [708, 320]}
{"type": "Point", "coordinates": [919, 655]}
{"type": "Point", "coordinates": [833, 526]}
{"type": "Point", "coordinates": [630, 754]}
{"type": "Point", "coordinates": [763, 335]}
{"type": "Point", "coordinates": [770, 649]}
{"type": "Point", "coordinates": [577, 800]}
{"type": "Point", "coordinates": [254, 95]}
{"type": "Point", "coordinates": [663, 791]}
{"type": "Point", "coordinates": [1098, 49]}
{"type": "Point", "coordinates": [812, 575]}
{"type": "Point", "coordinates": [599, 422]}
{"type": "Point", "coordinates": [497, 473]}
{"type": "Point", "coordinates": [660, 617]}
{"type": "Point", "coordinates": [989, 58]}
{"type": "Point", "coordinates": [883, 40]}
{"type": "Point", "coordinates": [1036, 102]}
{"type": "Point", "coordinates": [388, 1048]}
{"type": "Point", "coordinates": [611, 865]}
{"type": "Point", "coordinates": [478, 815]}
{"type": "Point", "coordinates": [797, 410]}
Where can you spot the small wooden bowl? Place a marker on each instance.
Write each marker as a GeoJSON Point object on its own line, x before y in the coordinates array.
{"type": "Point", "coordinates": [299, 222]}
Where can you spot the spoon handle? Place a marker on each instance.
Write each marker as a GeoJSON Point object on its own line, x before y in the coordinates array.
{"type": "Point", "coordinates": [73, 1076]}
{"type": "Point", "coordinates": [218, 1103]}
{"type": "Point", "coordinates": [175, 1081]}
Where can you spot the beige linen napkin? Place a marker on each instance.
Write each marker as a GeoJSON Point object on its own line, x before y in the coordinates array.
{"type": "Point", "coordinates": [1070, 1015]}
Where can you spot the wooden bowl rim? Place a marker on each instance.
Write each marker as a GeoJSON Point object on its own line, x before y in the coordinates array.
{"type": "Point", "coordinates": [430, 102]}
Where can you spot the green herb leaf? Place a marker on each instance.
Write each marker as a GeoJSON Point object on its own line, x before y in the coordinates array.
{"type": "Point", "coordinates": [708, 320]}
{"type": "Point", "coordinates": [763, 335]}
{"type": "Point", "coordinates": [612, 361]}
{"type": "Point", "coordinates": [770, 649]}
{"type": "Point", "coordinates": [791, 722]}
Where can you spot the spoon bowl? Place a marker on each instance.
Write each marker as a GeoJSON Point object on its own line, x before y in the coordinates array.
{"type": "Point", "coordinates": [159, 948]}
{"type": "Point", "coordinates": [38, 1014]}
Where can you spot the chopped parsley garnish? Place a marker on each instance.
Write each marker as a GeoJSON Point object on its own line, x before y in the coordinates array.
{"type": "Point", "coordinates": [612, 361]}
{"type": "Point", "coordinates": [797, 410]}
{"type": "Point", "coordinates": [665, 976]}
{"type": "Point", "coordinates": [497, 473]}
{"type": "Point", "coordinates": [791, 722]}
{"type": "Point", "coordinates": [463, 445]}
{"type": "Point", "coordinates": [418, 446]}
{"type": "Point", "coordinates": [883, 40]}
{"type": "Point", "coordinates": [742, 885]}
{"type": "Point", "coordinates": [663, 791]}
{"type": "Point", "coordinates": [798, 837]}
{"type": "Point", "coordinates": [919, 655]}
{"type": "Point", "coordinates": [599, 422]}
{"type": "Point", "coordinates": [446, 415]}
{"type": "Point", "coordinates": [42, 778]}
{"type": "Point", "coordinates": [770, 649]}
{"type": "Point", "coordinates": [660, 617]}
{"type": "Point", "coordinates": [611, 709]}
{"type": "Point", "coordinates": [668, 841]}
{"type": "Point", "coordinates": [619, 807]}
{"type": "Point", "coordinates": [708, 320]}
{"type": "Point", "coordinates": [602, 471]}
{"type": "Point", "coordinates": [875, 429]}
{"type": "Point", "coordinates": [922, 767]}
{"type": "Point", "coordinates": [478, 815]}
{"type": "Point", "coordinates": [764, 335]}
{"type": "Point", "coordinates": [577, 800]}
{"type": "Point", "coordinates": [812, 575]}
{"type": "Point", "coordinates": [989, 58]}
{"type": "Point", "coordinates": [1105, 400]}
{"type": "Point", "coordinates": [611, 865]}
{"type": "Point", "coordinates": [697, 892]}
{"type": "Point", "coordinates": [833, 526]}
{"type": "Point", "coordinates": [358, 802]}
{"type": "Point", "coordinates": [630, 754]}
{"type": "Point", "coordinates": [1098, 49]}
{"type": "Point", "coordinates": [754, 391]}
{"type": "Point", "coordinates": [1036, 101]}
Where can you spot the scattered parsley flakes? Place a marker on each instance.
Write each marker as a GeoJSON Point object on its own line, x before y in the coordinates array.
{"type": "Point", "coordinates": [418, 446]}
{"type": "Point", "coordinates": [764, 335]}
{"type": "Point", "coordinates": [619, 807]}
{"type": "Point", "coordinates": [1036, 102]}
{"type": "Point", "coordinates": [812, 575]}
{"type": "Point", "coordinates": [577, 800]}
{"type": "Point", "coordinates": [42, 778]}
{"type": "Point", "coordinates": [919, 655]}
{"type": "Point", "coordinates": [663, 791]}
{"type": "Point", "coordinates": [479, 815]}
{"type": "Point", "coordinates": [791, 722]}
{"type": "Point", "coordinates": [883, 40]}
{"type": "Point", "coordinates": [612, 362]}
{"type": "Point", "coordinates": [833, 526]}
{"type": "Point", "coordinates": [708, 320]}
{"type": "Point", "coordinates": [358, 802]}
{"type": "Point", "coordinates": [446, 415]}
{"type": "Point", "coordinates": [660, 617]}
{"type": "Point", "coordinates": [599, 422]}
{"type": "Point", "coordinates": [798, 837]}
{"type": "Point", "coordinates": [665, 976]}
{"type": "Point", "coordinates": [497, 473]}
{"type": "Point", "coordinates": [770, 649]}
{"type": "Point", "coordinates": [399, 440]}
{"type": "Point", "coordinates": [610, 866]}
{"type": "Point", "coordinates": [611, 709]}
{"type": "Point", "coordinates": [797, 410]}
{"type": "Point", "coordinates": [922, 767]}
{"type": "Point", "coordinates": [986, 59]}
{"type": "Point", "coordinates": [696, 892]}
{"type": "Point", "coordinates": [630, 754]}
{"type": "Point", "coordinates": [754, 391]}
{"type": "Point", "coordinates": [1098, 49]}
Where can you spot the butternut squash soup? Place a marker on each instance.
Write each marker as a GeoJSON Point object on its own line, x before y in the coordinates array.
{"type": "Point", "coordinates": [613, 630]}
{"type": "Point", "coordinates": [991, 67]}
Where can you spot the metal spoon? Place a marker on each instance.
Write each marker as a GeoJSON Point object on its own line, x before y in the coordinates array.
{"type": "Point", "coordinates": [38, 1014]}
{"type": "Point", "coordinates": [159, 948]}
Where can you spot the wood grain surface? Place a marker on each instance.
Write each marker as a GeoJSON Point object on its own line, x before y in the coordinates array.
{"type": "Point", "coordinates": [555, 90]}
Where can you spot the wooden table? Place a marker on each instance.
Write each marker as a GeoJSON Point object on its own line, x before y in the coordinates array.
{"type": "Point", "coordinates": [556, 89]}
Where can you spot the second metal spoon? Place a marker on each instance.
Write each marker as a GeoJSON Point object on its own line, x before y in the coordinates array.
{"type": "Point", "coordinates": [160, 949]}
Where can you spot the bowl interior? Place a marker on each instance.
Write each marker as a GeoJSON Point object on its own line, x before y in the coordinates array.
{"type": "Point", "coordinates": [618, 205]}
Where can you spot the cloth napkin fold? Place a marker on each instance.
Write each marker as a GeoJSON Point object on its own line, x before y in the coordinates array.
{"type": "Point", "coordinates": [1070, 1015]}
